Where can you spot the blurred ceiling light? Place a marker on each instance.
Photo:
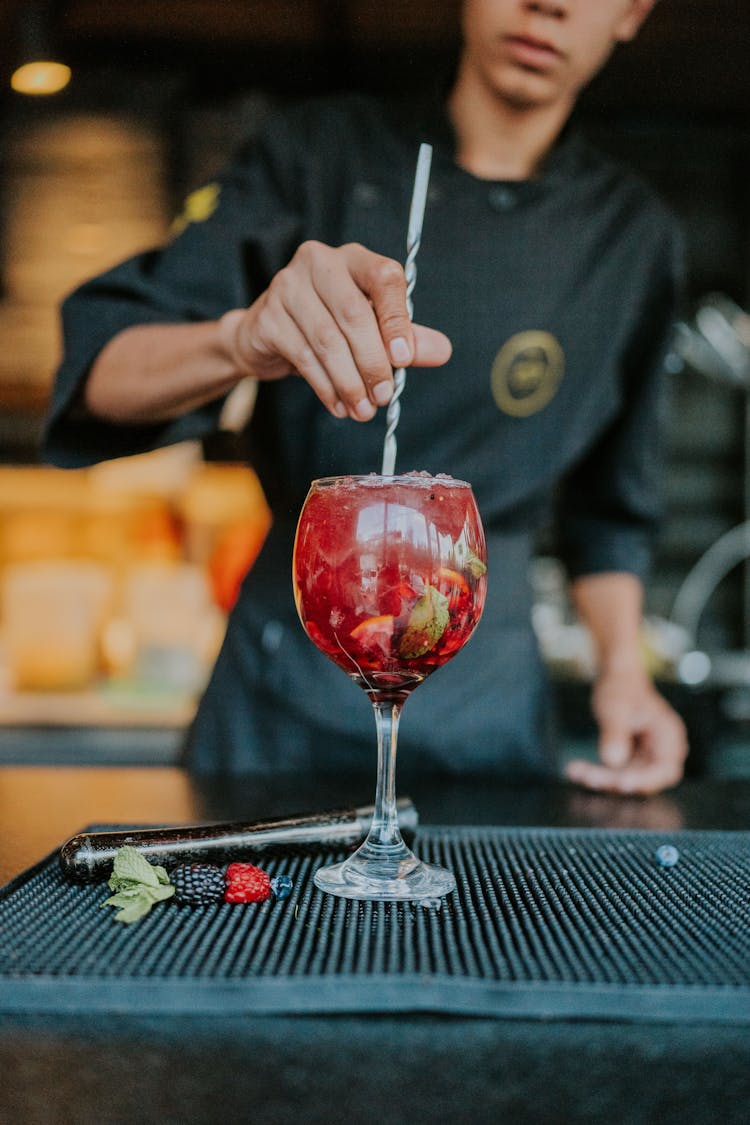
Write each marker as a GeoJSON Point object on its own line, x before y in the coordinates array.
{"type": "Point", "coordinates": [42, 76]}
{"type": "Point", "coordinates": [38, 72]}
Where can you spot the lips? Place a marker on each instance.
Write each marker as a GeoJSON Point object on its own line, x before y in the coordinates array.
{"type": "Point", "coordinates": [538, 54]}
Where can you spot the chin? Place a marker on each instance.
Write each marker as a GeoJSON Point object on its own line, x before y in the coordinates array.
{"type": "Point", "coordinates": [524, 90]}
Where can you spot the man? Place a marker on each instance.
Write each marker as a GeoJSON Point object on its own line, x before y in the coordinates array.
{"type": "Point", "coordinates": [553, 274]}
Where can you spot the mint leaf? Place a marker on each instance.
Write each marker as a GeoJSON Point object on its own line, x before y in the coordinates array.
{"type": "Point", "coordinates": [123, 897]}
{"type": "Point", "coordinates": [428, 621]}
{"type": "Point", "coordinates": [137, 885]}
{"type": "Point", "coordinates": [158, 894]}
{"type": "Point", "coordinates": [116, 884]}
{"type": "Point", "coordinates": [475, 566]}
{"type": "Point", "coordinates": [134, 912]}
{"type": "Point", "coordinates": [136, 902]}
{"type": "Point", "coordinates": [131, 909]}
{"type": "Point", "coordinates": [131, 866]}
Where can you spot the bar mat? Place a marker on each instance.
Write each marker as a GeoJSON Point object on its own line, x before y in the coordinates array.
{"type": "Point", "coordinates": [546, 923]}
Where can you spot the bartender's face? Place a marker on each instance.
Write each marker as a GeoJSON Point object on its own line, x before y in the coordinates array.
{"type": "Point", "coordinates": [534, 52]}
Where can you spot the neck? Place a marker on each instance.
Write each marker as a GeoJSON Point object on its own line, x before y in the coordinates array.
{"type": "Point", "coordinates": [497, 140]}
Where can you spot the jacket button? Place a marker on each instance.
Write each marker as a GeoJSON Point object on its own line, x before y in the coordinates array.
{"type": "Point", "coordinates": [272, 636]}
{"type": "Point", "coordinates": [501, 198]}
{"type": "Point", "coordinates": [366, 194]}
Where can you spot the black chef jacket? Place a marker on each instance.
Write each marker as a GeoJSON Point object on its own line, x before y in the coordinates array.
{"type": "Point", "coordinates": [558, 294]}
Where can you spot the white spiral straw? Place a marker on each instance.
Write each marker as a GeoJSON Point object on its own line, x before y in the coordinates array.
{"type": "Point", "coordinates": [413, 240]}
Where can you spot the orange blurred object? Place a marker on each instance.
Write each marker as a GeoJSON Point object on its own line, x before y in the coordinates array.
{"type": "Point", "coordinates": [236, 549]}
{"type": "Point", "coordinates": [156, 533]}
{"type": "Point", "coordinates": [53, 613]}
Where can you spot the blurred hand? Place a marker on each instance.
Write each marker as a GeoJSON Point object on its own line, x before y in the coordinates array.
{"type": "Point", "coordinates": [642, 740]}
{"type": "Point", "coordinates": [337, 317]}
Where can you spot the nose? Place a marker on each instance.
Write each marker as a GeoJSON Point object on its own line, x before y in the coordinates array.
{"type": "Point", "coordinates": [552, 9]}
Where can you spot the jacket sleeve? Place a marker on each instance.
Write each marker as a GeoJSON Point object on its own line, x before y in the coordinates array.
{"type": "Point", "coordinates": [243, 230]}
{"type": "Point", "coordinates": [610, 504]}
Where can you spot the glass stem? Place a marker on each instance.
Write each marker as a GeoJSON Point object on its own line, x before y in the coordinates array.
{"type": "Point", "coordinates": [384, 842]}
{"type": "Point", "coordinates": [385, 816]}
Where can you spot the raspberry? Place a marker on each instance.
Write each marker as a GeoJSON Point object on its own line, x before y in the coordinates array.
{"type": "Point", "coordinates": [197, 884]}
{"type": "Point", "coordinates": [246, 883]}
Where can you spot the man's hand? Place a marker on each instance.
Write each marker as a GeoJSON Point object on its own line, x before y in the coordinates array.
{"type": "Point", "coordinates": [642, 740]}
{"type": "Point", "coordinates": [338, 318]}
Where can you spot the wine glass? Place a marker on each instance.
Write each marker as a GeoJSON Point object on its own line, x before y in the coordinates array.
{"type": "Point", "coordinates": [389, 576]}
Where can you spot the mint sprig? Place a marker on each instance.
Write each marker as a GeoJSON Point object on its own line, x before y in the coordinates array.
{"type": "Point", "coordinates": [427, 622]}
{"type": "Point", "coordinates": [137, 884]}
{"type": "Point", "coordinates": [475, 566]}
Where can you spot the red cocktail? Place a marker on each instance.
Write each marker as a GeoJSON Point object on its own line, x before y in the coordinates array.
{"type": "Point", "coordinates": [389, 582]}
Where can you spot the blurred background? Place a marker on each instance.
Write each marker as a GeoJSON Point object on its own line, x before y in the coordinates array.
{"type": "Point", "coordinates": [115, 582]}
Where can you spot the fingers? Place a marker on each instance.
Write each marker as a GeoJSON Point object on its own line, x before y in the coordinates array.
{"type": "Point", "coordinates": [431, 348]}
{"type": "Point", "coordinates": [614, 747]}
{"type": "Point", "coordinates": [384, 282]}
{"type": "Point", "coordinates": [355, 293]}
{"type": "Point", "coordinates": [654, 756]}
{"type": "Point", "coordinates": [338, 317]}
{"type": "Point", "coordinates": [642, 779]}
{"type": "Point", "coordinates": [304, 361]}
{"type": "Point", "coordinates": [342, 356]}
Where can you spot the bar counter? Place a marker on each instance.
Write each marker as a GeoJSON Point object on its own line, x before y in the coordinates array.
{"type": "Point", "coordinates": [114, 1068]}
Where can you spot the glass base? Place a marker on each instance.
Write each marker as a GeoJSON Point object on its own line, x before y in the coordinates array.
{"type": "Point", "coordinates": [349, 880]}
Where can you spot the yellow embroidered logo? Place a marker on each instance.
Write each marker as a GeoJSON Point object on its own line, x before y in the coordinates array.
{"type": "Point", "coordinates": [527, 372]}
{"type": "Point", "coordinates": [199, 206]}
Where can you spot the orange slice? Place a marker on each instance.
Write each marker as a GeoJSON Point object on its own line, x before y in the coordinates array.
{"type": "Point", "coordinates": [374, 631]}
{"type": "Point", "coordinates": [451, 579]}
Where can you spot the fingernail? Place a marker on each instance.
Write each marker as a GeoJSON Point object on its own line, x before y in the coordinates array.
{"type": "Point", "coordinates": [340, 410]}
{"type": "Point", "coordinates": [364, 409]}
{"type": "Point", "coordinates": [615, 754]}
{"type": "Point", "coordinates": [400, 351]}
{"type": "Point", "coordinates": [382, 393]}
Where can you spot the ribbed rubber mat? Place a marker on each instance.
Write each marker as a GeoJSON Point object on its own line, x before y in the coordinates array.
{"type": "Point", "coordinates": [545, 923]}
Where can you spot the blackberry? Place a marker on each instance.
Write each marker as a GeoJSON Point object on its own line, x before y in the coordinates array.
{"type": "Point", "coordinates": [198, 884]}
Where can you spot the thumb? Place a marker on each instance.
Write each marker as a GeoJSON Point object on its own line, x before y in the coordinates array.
{"type": "Point", "coordinates": [614, 745]}
{"type": "Point", "coordinates": [431, 348]}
